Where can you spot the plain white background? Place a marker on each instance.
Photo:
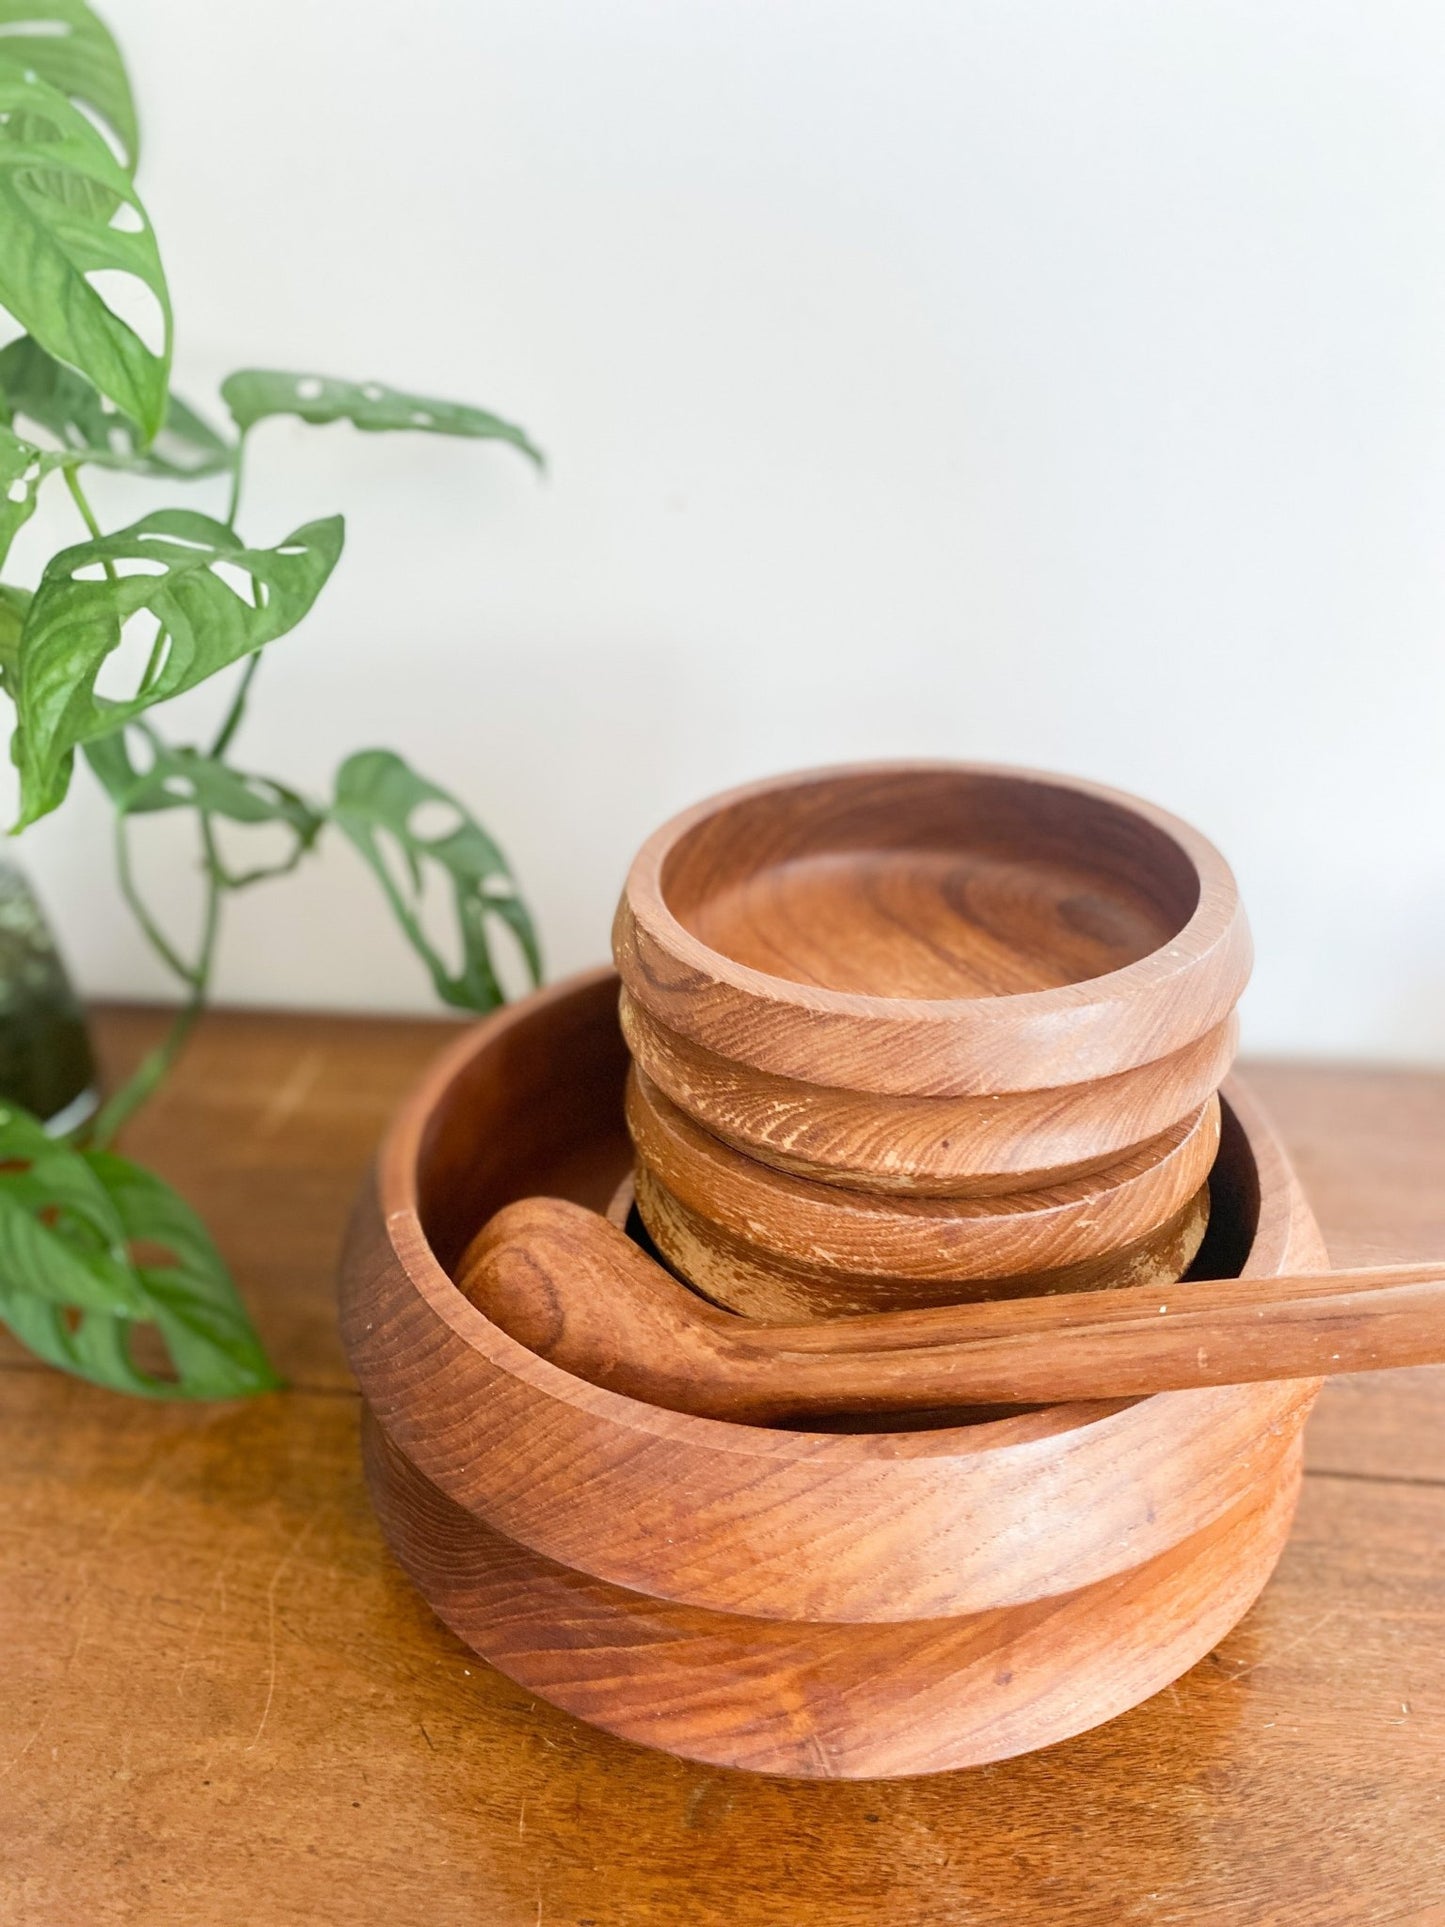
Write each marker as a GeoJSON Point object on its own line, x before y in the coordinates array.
{"type": "Point", "coordinates": [1051, 381]}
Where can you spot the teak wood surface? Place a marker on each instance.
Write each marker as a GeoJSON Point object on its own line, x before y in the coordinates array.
{"type": "Point", "coordinates": [942, 1146]}
{"type": "Point", "coordinates": [575, 1288]}
{"type": "Point", "coordinates": [932, 929]}
{"type": "Point", "coordinates": [791, 1221]}
{"type": "Point", "coordinates": [221, 1702]}
{"type": "Point", "coordinates": [747, 1279]}
{"type": "Point", "coordinates": [761, 1524]}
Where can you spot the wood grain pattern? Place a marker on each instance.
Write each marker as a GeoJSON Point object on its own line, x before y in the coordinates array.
{"type": "Point", "coordinates": [166, 1585]}
{"type": "Point", "coordinates": [932, 930]}
{"type": "Point", "coordinates": [929, 1146]}
{"type": "Point", "coordinates": [575, 1289]}
{"type": "Point", "coordinates": [1369, 1140]}
{"type": "Point", "coordinates": [861, 1234]}
{"type": "Point", "coordinates": [831, 1702]}
{"type": "Point", "coordinates": [740, 1275]}
{"type": "Point", "coordinates": [627, 1504]}
{"type": "Point", "coordinates": [158, 1597]}
{"type": "Point", "coordinates": [935, 1523]}
{"type": "Point", "coordinates": [575, 1472]}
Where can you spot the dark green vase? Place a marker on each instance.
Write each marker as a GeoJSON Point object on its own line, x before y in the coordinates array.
{"type": "Point", "coordinates": [45, 1056]}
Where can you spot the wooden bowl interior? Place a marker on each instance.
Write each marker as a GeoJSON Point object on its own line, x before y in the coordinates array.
{"type": "Point", "coordinates": [929, 883]}
{"type": "Point", "coordinates": [537, 1113]}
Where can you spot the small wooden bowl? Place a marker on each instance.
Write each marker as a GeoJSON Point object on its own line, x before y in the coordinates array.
{"type": "Point", "coordinates": [824, 1228]}
{"type": "Point", "coordinates": [932, 930]}
{"type": "Point", "coordinates": [741, 1276]}
{"type": "Point", "coordinates": [929, 1146]}
{"type": "Point", "coordinates": [815, 1603]}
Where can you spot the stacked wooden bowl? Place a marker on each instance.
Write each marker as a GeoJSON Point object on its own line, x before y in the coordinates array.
{"type": "Point", "coordinates": [901, 1035]}
{"type": "Point", "coordinates": [920, 1034]}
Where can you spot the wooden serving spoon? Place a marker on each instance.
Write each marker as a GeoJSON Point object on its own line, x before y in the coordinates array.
{"type": "Point", "coordinates": [576, 1290]}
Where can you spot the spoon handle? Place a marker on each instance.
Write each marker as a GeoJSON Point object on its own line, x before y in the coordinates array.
{"type": "Point", "coordinates": [575, 1289]}
{"type": "Point", "coordinates": [1122, 1344]}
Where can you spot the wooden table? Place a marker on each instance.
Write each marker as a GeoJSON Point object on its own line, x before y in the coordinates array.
{"type": "Point", "coordinates": [221, 1703]}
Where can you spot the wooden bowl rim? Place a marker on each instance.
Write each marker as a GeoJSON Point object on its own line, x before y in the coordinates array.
{"type": "Point", "coordinates": [397, 1195]}
{"type": "Point", "coordinates": [942, 1146]}
{"type": "Point", "coordinates": [1190, 1143]}
{"type": "Point", "coordinates": [1208, 931]}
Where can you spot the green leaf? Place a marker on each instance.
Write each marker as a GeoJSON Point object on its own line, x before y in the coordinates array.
{"type": "Point", "coordinates": [35, 386]}
{"type": "Point", "coordinates": [19, 485]}
{"type": "Point", "coordinates": [376, 804]}
{"type": "Point", "coordinates": [74, 623]}
{"type": "Point", "coordinates": [93, 1345]}
{"type": "Point", "coordinates": [14, 604]}
{"type": "Point", "coordinates": [254, 393]}
{"type": "Point", "coordinates": [61, 195]}
{"type": "Point", "coordinates": [91, 1246]}
{"type": "Point", "coordinates": [189, 1292]}
{"type": "Point", "coordinates": [23, 467]}
{"type": "Point", "coordinates": [180, 778]}
{"type": "Point", "coordinates": [68, 46]}
{"type": "Point", "coordinates": [60, 1236]}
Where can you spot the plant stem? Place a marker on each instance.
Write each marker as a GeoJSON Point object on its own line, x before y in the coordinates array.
{"type": "Point", "coordinates": [154, 1067]}
{"type": "Point", "coordinates": [238, 707]}
{"type": "Point", "coordinates": [87, 513]}
{"type": "Point", "coordinates": [237, 710]}
{"type": "Point", "coordinates": [158, 648]}
{"type": "Point", "coordinates": [234, 503]}
{"type": "Point", "coordinates": [154, 936]}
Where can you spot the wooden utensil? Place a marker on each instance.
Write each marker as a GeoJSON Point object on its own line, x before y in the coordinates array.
{"type": "Point", "coordinates": [574, 1289]}
{"type": "Point", "coordinates": [928, 1146]}
{"type": "Point", "coordinates": [932, 930]}
{"type": "Point", "coordinates": [825, 1228]}
{"type": "Point", "coordinates": [744, 1278]}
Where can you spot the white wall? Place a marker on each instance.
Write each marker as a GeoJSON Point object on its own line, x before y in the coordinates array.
{"type": "Point", "coordinates": [1056, 381]}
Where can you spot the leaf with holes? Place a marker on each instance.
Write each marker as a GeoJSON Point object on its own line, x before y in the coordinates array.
{"type": "Point", "coordinates": [23, 467]}
{"type": "Point", "coordinates": [35, 387]}
{"type": "Point", "coordinates": [181, 778]}
{"type": "Point", "coordinates": [92, 1246]}
{"type": "Point", "coordinates": [255, 393]}
{"type": "Point", "coordinates": [168, 566]}
{"type": "Point", "coordinates": [61, 1238]}
{"type": "Point", "coordinates": [70, 48]}
{"type": "Point", "coordinates": [19, 481]}
{"type": "Point", "coordinates": [52, 241]}
{"type": "Point", "coordinates": [377, 803]}
{"type": "Point", "coordinates": [189, 1292]}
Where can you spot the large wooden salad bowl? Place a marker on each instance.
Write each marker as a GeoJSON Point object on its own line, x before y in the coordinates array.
{"type": "Point", "coordinates": [824, 1603]}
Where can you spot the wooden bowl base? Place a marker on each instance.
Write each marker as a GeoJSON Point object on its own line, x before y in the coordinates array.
{"type": "Point", "coordinates": [818, 1701]}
